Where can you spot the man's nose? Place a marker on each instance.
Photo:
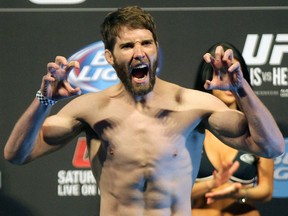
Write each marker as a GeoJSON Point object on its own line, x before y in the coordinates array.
{"type": "Point", "coordinates": [138, 52]}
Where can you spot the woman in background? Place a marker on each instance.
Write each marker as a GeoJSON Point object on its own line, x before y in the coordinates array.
{"type": "Point", "coordinates": [229, 181]}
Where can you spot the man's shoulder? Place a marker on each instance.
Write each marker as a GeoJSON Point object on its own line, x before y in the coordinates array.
{"type": "Point", "coordinates": [176, 88]}
{"type": "Point", "coordinates": [91, 99]}
{"type": "Point", "coordinates": [105, 93]}
{"type": "Point", "coordinates": [193, 94]}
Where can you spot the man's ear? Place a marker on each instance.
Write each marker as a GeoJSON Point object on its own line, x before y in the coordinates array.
{"type": "Point", "coordinates": [109, 57]}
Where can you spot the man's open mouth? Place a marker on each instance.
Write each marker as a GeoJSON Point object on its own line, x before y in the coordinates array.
{"type": "Point", "coordinates": [140, 71]}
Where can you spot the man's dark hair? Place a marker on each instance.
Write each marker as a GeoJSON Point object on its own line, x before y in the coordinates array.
{"type": "Point", "coordinates": [132, 17]}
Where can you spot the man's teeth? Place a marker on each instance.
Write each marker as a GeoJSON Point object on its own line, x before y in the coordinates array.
{"type": "Point", "coordinates": [140, 66]}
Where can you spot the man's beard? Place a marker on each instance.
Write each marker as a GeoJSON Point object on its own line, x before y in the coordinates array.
{"type": "Point", "coordinates": [125, 77]}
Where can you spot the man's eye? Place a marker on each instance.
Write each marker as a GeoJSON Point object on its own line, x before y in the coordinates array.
{"type": "Point", "coordinates": [127, 46]}
{"type": "Point", "coordinates": [146, 43]}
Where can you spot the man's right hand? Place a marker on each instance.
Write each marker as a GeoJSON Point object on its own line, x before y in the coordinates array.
{"type": "Point", "coordinates": [55, 83]}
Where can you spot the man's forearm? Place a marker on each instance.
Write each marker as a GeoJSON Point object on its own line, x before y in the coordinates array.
{"type": "Point", "coordinates": [262, 126]}
{"type": "Point", "coordinates": [25, 132]}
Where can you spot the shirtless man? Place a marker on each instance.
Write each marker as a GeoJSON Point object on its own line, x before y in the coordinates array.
{"type": "Point", "coordinates": [141, 132]}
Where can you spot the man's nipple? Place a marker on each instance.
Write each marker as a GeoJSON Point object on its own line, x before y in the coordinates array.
{"type": "Point", "coordinates": [175, 153]}
{"type": "Point", "coordinates": [111, 151]}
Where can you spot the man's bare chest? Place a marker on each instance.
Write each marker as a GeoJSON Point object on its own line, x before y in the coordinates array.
{"type": "Point", "coordinates": [144, 135]}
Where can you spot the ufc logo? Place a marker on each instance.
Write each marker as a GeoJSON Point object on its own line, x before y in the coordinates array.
{"type": "Point", "coordinates": [277, 46]}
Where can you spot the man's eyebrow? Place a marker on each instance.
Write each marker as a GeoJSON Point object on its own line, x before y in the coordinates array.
{"type": "Point", "coordinates": [148, 40]}
{"type": "Point", "coordinates": [129, 43]}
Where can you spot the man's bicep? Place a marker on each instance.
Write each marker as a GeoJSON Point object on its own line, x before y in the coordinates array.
{"type": "Point", "coordinates": [59, 129]}
{"type": "Point", "coordinates": [232, 129]}
{"type": "Point", "coordinates": [54, 134]}
{"type": "Point", "coordinates": [228, 123]}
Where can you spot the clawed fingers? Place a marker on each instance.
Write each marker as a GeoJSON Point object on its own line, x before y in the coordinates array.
{"type": "Point", "coordinates": [221, 58]}
{"type": "Point", "coordinates": [52, 67]}
{"type": "Point", "coordinates": [219, 53]}
{"type": "Point", "coordinates": [61, 61]}
{"type": "Point", "coordinates": [60, 69]}
{"type": "Point", "coordinates": [208, 58]}
{"type": "Point", "coordinates": [69, 90]}
{"type": "Point", "coordinates": [216, 60]}
{"type": "Point", "coordinates": [55, 83]}
{"type": "Point", "coordinates": [73, 64]}
{"type": "Point", "coordinates": [228, 57]}
{"type": "Point", "coordinates": [227, 73]}
{"type": "Point", "coordinates": [234, 67]}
